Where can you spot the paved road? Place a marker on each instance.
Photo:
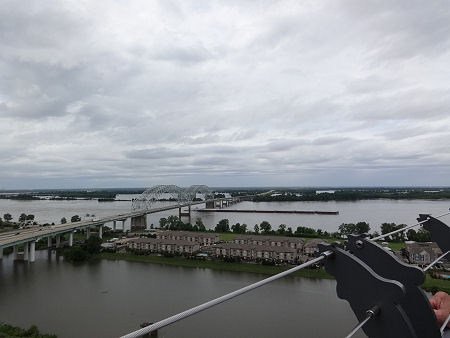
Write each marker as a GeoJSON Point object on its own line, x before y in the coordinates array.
{"type": "Point", "coordinates": [15, 237]}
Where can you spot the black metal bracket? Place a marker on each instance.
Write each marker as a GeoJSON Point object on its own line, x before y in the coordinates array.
{"type": "Point", "coordinates": [440, 232]}
{"type": "Point", "coordinates": [363, 289]}
{"type": "Point", "coordinates": [415, 303]}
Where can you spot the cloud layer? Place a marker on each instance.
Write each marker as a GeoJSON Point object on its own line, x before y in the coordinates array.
{"type": "Point", "coordinates": [114, 93]}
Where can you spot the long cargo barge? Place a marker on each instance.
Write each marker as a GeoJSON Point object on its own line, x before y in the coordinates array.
{"type": "Point", "coordinates": [272, 211]}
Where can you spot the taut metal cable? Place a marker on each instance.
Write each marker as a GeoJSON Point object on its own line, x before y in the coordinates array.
{"type": "Point", "coordinates": [445, 324]}
{"type": "Point", "coordinates": [436, 260]}
{"type": "Point", "coordinates": [406, 228]}
{"type": "Point", "coordinates": [222, 299]}
{"type": "Point", "coordinates": [370, 314]}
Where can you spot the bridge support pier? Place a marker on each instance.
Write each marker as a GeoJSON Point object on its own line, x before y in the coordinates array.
{"type": "Point", "coordinates": [71, 238]}
{"type": "Point", "coordinates": [187, 214]}
{"type": "Point", "coordinates": [32, 251]}
{"type": "Point", "coordinates": [1, 252]}
{"type": "Point", "coordinates": [123, 225]}
{"type": "Point", "coordinates": [15, 250]}
{"type": "Point", "coordinates": [49, 241]}
{"type": "Point", "coordinates": [210, 205]}
{"type": "Point", "coordinates": [58, 240]}
{"type": "Point", "coordinates": [114, 225]}
{"type": "Point", "coordinates": [139, 223]}
{"type": "Point", "coordinates": [88, 232]}
{"type": "Point", "coordinates": [25, 251]}
{"type": "Point", "coordinates": [100, 231]}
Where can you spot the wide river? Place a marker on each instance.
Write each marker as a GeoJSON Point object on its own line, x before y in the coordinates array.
{"type": "Point", "coordinates": [110, 298]}
{"type": "Point", "coordinates": [375, 212]}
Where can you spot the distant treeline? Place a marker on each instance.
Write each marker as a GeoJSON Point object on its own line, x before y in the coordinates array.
{"type": "Point", "coordinates": [79, 194]}
{"type": "Point", "coordinates": [352, 195]}
{"type": "Point", "coordinates": [22, 197]}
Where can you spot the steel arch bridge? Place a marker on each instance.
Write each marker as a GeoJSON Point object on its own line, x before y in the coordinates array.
{"type": "Point", "coordinates": [170, 192]}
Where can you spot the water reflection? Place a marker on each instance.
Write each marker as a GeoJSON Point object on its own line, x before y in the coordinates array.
{"type": "Point", "coordinates": [109, 298]}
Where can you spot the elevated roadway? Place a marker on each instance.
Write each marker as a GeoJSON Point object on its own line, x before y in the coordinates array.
{"type": "Point", "coordinates": [28, 237]}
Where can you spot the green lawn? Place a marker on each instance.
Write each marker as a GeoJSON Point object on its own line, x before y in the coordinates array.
{"type": "Point", "coordinates": [227, 237]}
{"type": "Point", "coordinates": [213, 264]}
{"type": "Point", "coordinates": [433, 284]}
{"type": "Point", "coordinates": [396, 246]}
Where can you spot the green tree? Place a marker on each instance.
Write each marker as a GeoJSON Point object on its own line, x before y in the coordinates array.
{"type": "Point", "coordinates": [75, 254]}
{"type": "Point", "coordinates": [63, 220]}
{"type": "Point", "coordinates": [94, 245]}
{"type": "Point", "coordinates": [22, 218]}
{"type": "Point", "coordinates": [305, 231]}
{"type": "Point", "coordinates": [347, 229]}
{"type": "Point", "coordinates": [163, 222]}
{"type": "Point", "coordinates": [282, 229]}
{"type": "Point", "coordinates": [7, 217]}
{"type": "Point", "coordinates": [256, 229]}
{"type": "Point", "coordinates": [201, 227]}
{"type": "Point", "coordinates": [30, 217]}
{"type": "Point", "coordinates": [238, 228]}
{"type": "Point", "coordinates": [243, 228]}
{"type": "Point", "coordinates": [173, 222]}
{"type": "Point", "coordinates": [362, 227]}
{"type": "Point", "coordinates": [389, 227]}
{"type": "Point", "coordinates": [265, 227]}
{"type": "Point", "coordinates": [75, 218]}
{"type": "Point", "coordinates": [412, 235]}
{"type": "Point", "coordinates": [423, 235]}
{"type": "Point", "coordinates": [223, 226]}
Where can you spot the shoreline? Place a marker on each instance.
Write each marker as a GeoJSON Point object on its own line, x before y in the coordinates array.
{"type": "Point", "coordinates": [430, 284]}
{"type": "Point", "coordinates": [214, 265]}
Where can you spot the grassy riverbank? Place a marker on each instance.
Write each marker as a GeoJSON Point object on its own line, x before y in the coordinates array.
{"type": "Point", "coordinates": [434, 284]}
{"type": "Point", "coordinates": [215, 265]}
{"type": "Point", "coordinates": [430, 284]}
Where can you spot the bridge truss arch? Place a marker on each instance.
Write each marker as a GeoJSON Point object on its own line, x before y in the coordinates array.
{"type": "Point", "coordinates": [193, 190]}
{"type": "Point", "coordinates": [170, 192]}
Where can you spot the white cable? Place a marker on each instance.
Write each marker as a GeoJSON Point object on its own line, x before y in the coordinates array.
{"type": "Point", "coordinates": [222, 299]}
{"type": "Point", "coordinates": [406, 228]}
{"type": "Point", "coordinates": [436, 260]}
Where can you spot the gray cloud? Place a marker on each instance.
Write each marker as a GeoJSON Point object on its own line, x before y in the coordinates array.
{"type": "Point", "coordinates": [253, 93]}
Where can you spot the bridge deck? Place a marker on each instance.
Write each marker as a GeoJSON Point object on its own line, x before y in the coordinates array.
{"type": "Point", "coordinates": [11, 238]}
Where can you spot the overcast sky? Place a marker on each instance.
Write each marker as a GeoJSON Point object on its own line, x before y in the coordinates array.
{"type": "Point", "coordinates": [224, 93]}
